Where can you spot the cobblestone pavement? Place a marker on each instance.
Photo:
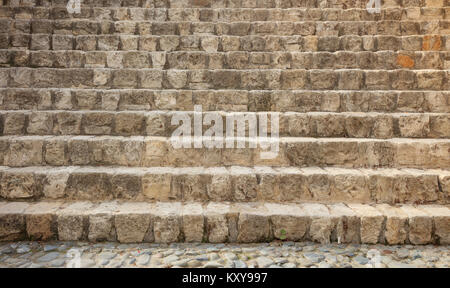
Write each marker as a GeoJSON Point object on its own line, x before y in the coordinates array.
{"type": "Point", "coordinates": [287, 255]}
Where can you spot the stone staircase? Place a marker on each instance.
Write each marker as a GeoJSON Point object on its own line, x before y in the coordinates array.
{"type": "Point", "coordinates": [86, 102]}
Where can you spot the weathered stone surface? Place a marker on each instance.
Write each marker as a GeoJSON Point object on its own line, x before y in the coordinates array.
{"type": "Point", "coordinates": [72, 221]}
{"type": "Point", "coordinates": [167, 223]}
{"type": "Point", "coordinates": [101, 223]}
{"type": "Point", "coordinates": [347, 223]}
{"type": "Point", "coordinates": [441, 222]}
{"type": "Point", "coordinates": [133, 222]}
{"type": "Point", "coordinates": [157, 187]}
{"type": "Point", "coordinates": [193, 223]}
{"type": "Point", "coordinates": [41, 221]}
{"type": "Point", "coordinates": [288, 222]}
{"type": "Point", "coordinates": [420, 225]}
{"type": "Point", "coordinates": [12, 221]}
{"type": "Point", "coordinates": [371, 223]}
{"type": "Point", "coordinates": [217, 222]}
{"type": "Point", "coordinates": [252, 227]}
{"type": "Point", "coordinates": [21, 185]}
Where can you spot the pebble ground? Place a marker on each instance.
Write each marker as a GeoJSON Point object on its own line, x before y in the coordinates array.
{"type": "Point", "coordinates": [273, 255]}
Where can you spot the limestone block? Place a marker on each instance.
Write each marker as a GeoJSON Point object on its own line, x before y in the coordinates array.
{"type": "Point", "coordinates": [24, 152]}
{"type": "Point", "coordinates": [216, 222]}
{"type": "Point", "coordinates": [89, 185]}
{"type": "Point", "coordinates": [68, 123]}
{"type": "Point", "coordinates": [72, 220]}
{"type": "Point", "coordinates": [289, 222]}
{"type": "Point", "coordinates": [133, 222]}
{"type": "Point", "coordinates": [126, 186]}
{"type": "Point", "coordinates": [420, 225]}
{"type": "Point", "coordinates": [40, 123]}
{"type": "Point", "coordinates": [97, 123]}
{"type": "Point", "coordinates": [414, 126]}
{"type": "Point", "coordinates": [14, 123]}
{"type": "Point", "coordinates": [41, 221]}
{"type": "Point", "coordinates": [193, 222]}
{"type": "Point", "coordinates": [101, 222]}
{"type": "Point", "coordinates": [12, 221]}
{"type": "Point", "coordinates": [441, 222]}
{"type": "Point", "coordinates": [245, 187]}
{"type": "Point", "coordinates": [158, 187]}
{"type": "Point", "coordinates": [371, 222]}
{"type": "Point", "coordinates": [253, 224]}
{"type": "Point", "coordinates": [347, 223]}
{"type": "Point", "coordinates": [55, 182]}
{"type": "Point", "coordinates": [167, 223]}
{"type": "Point", "coordinates": [129, 123]}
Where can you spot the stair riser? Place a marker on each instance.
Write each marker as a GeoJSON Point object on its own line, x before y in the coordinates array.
{"type": "Point", "coordinates": [220, 100]}
{"type": "Point", "coordinates": [227, 4]}
{"type": "Point", "coordinates": [228, 224]}
{"type": "Point", "coordinates": [435, 80]}
{"type": "Point", "coordinates": [290, 124]}
{"type": "Point", "coordinates": [145, 152]}
{"type": "Point", "coordinates": [354, 186]}
{"type": "Point", "coordinates": [243, 28]}
{"type": "Point", "coordinates": [224, 14]}
{"type": "Point", "coordinates": [233, 60]}
{"type": "Point", "coordinates": [43, 40]}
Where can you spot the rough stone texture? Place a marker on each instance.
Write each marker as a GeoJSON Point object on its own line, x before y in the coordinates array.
{"type": "Point", "coordinates": [72, 220]}
{"type": "Point", "coordinates": [41, 221]}
{"type": "Point", "coordinates": [87, 103]}
{"type": "Point", "coordinates": [167, 223]}
{"type": "Point", "coordinates": [193, 223]}
{"type": "Point", "coordinates": [253, 227]}
{"type": "Point", "coordinates": [396, 225]}
{"type": "Point", "coordinates": [420, 225]}
{"type": "Point", "coordinates": [12, 221]}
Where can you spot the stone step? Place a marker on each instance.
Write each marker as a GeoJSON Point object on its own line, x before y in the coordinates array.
{"type": "Point", "coordinates": [225, 100]}
{"type": "Point", "coordinates": [251, 79]}
{"type": "Point", "coordinates": [291, 124]}
{"type": "Point", "coordinates": [199, 60]}
{"type": "Point", "coordinates": [338, 4]}
{"type": "Point", "coordinates": [145, 151]}
{"type": "Point", "coordinates": [233, 14]}
{"type": "Point", "coordinates": [223, 222]}
{"type": "Point", "coordinates": [241, 28]}
{"type": "Point", "coordinates": [236, 184]}
{"type": "Point", "coordinates": [20, 38]}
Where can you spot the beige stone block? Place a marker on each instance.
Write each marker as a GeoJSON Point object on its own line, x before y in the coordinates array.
{"type": "Point", "coordinates": [420, 225]}
{"type": "Point", "coordinates": [55, 182]}
{"type": "Point", "coordinates": [371, 222]}
{"type": "Point", "coordinates": [167, 223]}
{"type": "Point", "coordinates": [289, 222]}
{"type": "Point", "coordinates": [157, 187]}
{"type": "Point", "coordinates": [72, 221]}
{"type": "Point", "coordinates": [41, 221]}
{"type": "Point", "coordinates": [12, 221]}
{"type": "Point", "coordinates": [193, 222]}
{"type": "Point", "coordinates": [441, 215]}
{"type": "Point", "coordinates": [217, 223]}
{"type": "Point", "coordinates": [253, 224]}
{"type": "Point", "coordinates": [347, 223]}
{"type": "Point", "coordinates": [133, 222]}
